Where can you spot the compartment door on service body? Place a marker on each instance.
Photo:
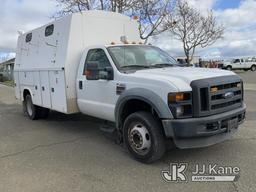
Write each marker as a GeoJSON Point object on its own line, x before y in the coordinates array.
{"type": "Point", "coordinates": [96, 97]}
{"type": "Point", "coordinates": [45, 89]}
{"type": "Point", "coordinates": [58, 92]}
{"type": "Point", "coordinates": [37, 98]}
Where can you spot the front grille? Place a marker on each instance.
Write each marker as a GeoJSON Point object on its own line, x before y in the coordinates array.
{"type": "Point", "coordinates": [226, 104]}
{"type": "Point", "coordinates": [216, 95]}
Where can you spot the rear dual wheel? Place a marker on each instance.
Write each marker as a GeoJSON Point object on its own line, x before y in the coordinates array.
{"type": "Point", "coordinates": [34, 112]}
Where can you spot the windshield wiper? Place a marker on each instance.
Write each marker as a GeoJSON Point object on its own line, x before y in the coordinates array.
{"type": "Point", "coordinates": [162, 65]}
{"type": "Point", "coordinates": [135, 66]}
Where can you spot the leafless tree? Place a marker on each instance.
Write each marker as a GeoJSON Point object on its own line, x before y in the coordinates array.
{"type": "Point", "coordinates": [193, 28]}
{"type": "Point", "coordinates": [150, 13]}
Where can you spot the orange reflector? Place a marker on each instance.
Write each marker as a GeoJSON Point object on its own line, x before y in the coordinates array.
{"type": "Point", "coordinates": [214, 89]}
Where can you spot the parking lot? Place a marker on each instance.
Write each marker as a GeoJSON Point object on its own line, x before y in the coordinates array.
{"type": "Point", "coordinates": [70, 153]}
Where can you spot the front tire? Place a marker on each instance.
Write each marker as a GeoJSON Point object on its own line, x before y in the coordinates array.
{"type": "Point", "coordinates": [143, 137]}
{"type": "Point", "coordinates": [253, 68]}
{"type": "Point", "coordinates": [31, 110]}
{"type": "Point", "coordinates": [229, 68]}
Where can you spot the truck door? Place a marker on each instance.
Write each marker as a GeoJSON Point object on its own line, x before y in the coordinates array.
{"type": "Point", "coordinates": [247, 63]}
{"type": "Point", "coordinates": [96, 97]}
{"type": "Point", "coordinates": [242, 64]}
{"type": "Point", "coordinates": [236, 64]}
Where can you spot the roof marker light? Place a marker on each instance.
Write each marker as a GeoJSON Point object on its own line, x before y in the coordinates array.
{"type": "Point", "coordinates": [123, 39]}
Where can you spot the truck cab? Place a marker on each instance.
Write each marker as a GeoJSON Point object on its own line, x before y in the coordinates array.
{"type": "Point", "coordinates": [151, 99]}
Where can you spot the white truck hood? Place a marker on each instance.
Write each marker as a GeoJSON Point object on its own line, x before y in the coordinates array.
{"type": "Point", "coordinates": [187, 74]}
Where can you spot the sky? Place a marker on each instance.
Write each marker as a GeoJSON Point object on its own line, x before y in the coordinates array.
{"type": "Point", "coordinates": [238, 16]}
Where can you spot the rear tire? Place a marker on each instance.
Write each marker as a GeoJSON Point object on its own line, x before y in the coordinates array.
{"type": "Point", "coordinates": [143, 137]}
{"type": "Point", "coordinates": [253, 68]}
{"type": "Point", "coordinates": [31, 110]}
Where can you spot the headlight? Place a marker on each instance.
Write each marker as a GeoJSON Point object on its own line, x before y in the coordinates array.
{"type": "Point", "coordinates": [180, 104]}
{"type": "Point", "coordinates": [179, 111]}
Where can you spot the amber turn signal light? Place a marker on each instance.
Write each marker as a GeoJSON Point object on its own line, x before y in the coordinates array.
{"type": "Point", "coordinates": [214, 89]}
{"type": "Point", "coordinates": [177, 97]}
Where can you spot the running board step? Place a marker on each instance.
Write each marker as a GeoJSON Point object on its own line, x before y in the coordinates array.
{"type": "Point", "coordinates": [110, 131]}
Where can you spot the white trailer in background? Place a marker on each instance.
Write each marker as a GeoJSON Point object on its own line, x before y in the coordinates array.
{"type": "Point", "coordinates": [94, 63]}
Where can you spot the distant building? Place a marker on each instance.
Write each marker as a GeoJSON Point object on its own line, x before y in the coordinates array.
{"type": "Point", "coordinates": [6, 69]}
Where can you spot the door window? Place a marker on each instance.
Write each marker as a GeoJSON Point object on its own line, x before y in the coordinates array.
{"type": "Point", "coordinates": [99, 56]}
{"type": "Point", "coordinates": [237, 61]}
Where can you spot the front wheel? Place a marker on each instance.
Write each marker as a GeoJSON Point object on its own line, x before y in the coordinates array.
{"type": "Point", "coordinates": [229, 68]}
{"type": "Point", "coordinates": [143, 137]}
{"type": "Point", "coordinates": [253, 68]}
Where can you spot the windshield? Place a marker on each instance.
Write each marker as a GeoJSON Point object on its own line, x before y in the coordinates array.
{"type": "Point", "coordinates": [135, 57]}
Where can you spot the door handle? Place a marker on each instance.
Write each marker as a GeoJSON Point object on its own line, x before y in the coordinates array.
{"type": "Point", "coordinates": [80, 84]}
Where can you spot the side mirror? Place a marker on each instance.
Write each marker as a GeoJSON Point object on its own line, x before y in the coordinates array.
{"type": "Point", "coordinates": [106, 73]}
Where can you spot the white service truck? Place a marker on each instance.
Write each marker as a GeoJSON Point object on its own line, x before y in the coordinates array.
{"type": "Point", "coordinates": [242, 63]}
{"type": "Point", "coordinates": [94, 63]}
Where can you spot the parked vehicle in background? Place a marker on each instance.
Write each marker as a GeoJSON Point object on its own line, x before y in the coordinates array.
{"type": "Point", "coordinates": [245, 64]}
{"type": "Point", "coordinates": [94, 63]}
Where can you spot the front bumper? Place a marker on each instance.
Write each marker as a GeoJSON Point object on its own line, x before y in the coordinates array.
{"type": "Point", "coordinates": [202, 132]}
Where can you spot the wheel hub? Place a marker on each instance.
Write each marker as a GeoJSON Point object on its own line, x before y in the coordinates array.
{"type": "Point", "coordinates": [139, 138]}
